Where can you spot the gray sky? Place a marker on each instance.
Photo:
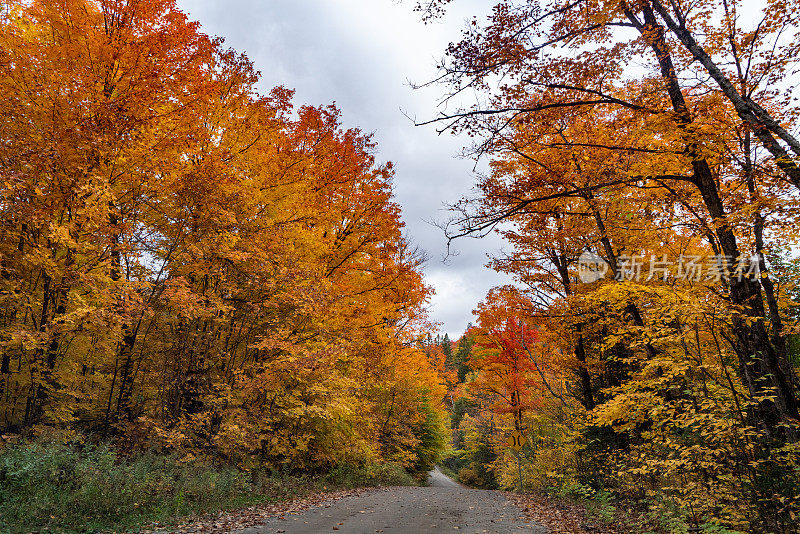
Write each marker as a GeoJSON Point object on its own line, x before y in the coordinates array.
{"type": "Point", "coordinates": [361, 54]}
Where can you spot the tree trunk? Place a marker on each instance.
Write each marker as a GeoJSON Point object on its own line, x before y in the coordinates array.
{"type": "Point", "coordinates": [126, 345]}
{"type": "Point", "coordinates": [587, 396]}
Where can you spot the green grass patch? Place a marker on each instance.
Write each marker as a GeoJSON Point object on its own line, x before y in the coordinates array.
{"type": "Point", "coordinates": [359, 476]}
{"type": "Point", "coordinates": [447, 471]}
{"type": "Point", "coordinates": [81, 488]}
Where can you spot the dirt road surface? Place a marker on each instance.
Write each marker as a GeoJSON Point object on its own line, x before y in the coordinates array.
{"type": "Point", "coordinates": [444, 506]}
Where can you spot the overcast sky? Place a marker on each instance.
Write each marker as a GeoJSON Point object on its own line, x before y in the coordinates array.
{"type": "Point", "coordinates": [361, 54]}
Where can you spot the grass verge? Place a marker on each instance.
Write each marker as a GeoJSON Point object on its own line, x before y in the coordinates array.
{"type": "Point", "coordinates": [56, 487]}
{"type": "Point", "coordinates": [447, 471]}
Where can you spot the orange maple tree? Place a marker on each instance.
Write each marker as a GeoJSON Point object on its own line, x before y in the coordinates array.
{"type": "Point", "coordinates": [191, 265]}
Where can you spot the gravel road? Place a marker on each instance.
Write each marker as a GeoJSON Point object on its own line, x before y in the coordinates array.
{"type": "Point", "coordinates": [444, 506]}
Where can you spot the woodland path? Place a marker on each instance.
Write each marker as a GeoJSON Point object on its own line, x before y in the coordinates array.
{"type": "Point", "coordinates": [443, 506]}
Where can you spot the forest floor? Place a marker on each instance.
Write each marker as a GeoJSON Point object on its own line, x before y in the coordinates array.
{"type": "Point", "coordinates": [565, 516]}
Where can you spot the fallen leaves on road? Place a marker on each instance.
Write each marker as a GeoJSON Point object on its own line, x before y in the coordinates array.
{"type": "Point", "coordinates": [561, 516]}
{"type": "Point", "coordinates": [252, 516]}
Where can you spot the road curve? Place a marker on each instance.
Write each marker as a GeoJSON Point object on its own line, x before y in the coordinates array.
{"type": "Point", "coordinates": [437, 479]}
{"type": "Point", "coordinates": [445, 506]}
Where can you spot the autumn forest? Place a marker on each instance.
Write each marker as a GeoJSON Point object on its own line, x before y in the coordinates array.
{"type": "Point", "coordinates": [195, 273]}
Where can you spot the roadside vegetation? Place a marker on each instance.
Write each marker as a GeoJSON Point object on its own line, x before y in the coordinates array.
{"type": "Point", "coordinates": [76, 486]}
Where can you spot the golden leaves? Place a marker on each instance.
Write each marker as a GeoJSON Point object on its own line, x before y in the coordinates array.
{"type": "Point", "coordinates": [191, 264]}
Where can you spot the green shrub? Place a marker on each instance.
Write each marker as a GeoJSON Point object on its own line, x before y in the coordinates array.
{"type": "Point", "coordinates": [355, 476]}
{"type": "Point", "coordinates": [603, 506]}
{"type": "Point", "coordinates": [75, 487]}
{"type": "Point", "coordinates": [78, 488]}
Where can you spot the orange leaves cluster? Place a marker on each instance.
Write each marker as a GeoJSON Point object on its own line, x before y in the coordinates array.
{"type": "Point", "coordinates": [506, 366]}
{"type": "Point", "coordinates": [188, 263]}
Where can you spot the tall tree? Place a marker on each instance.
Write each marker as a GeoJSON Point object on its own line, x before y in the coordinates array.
{"type": "Point", "coordinates": [575, 58]}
